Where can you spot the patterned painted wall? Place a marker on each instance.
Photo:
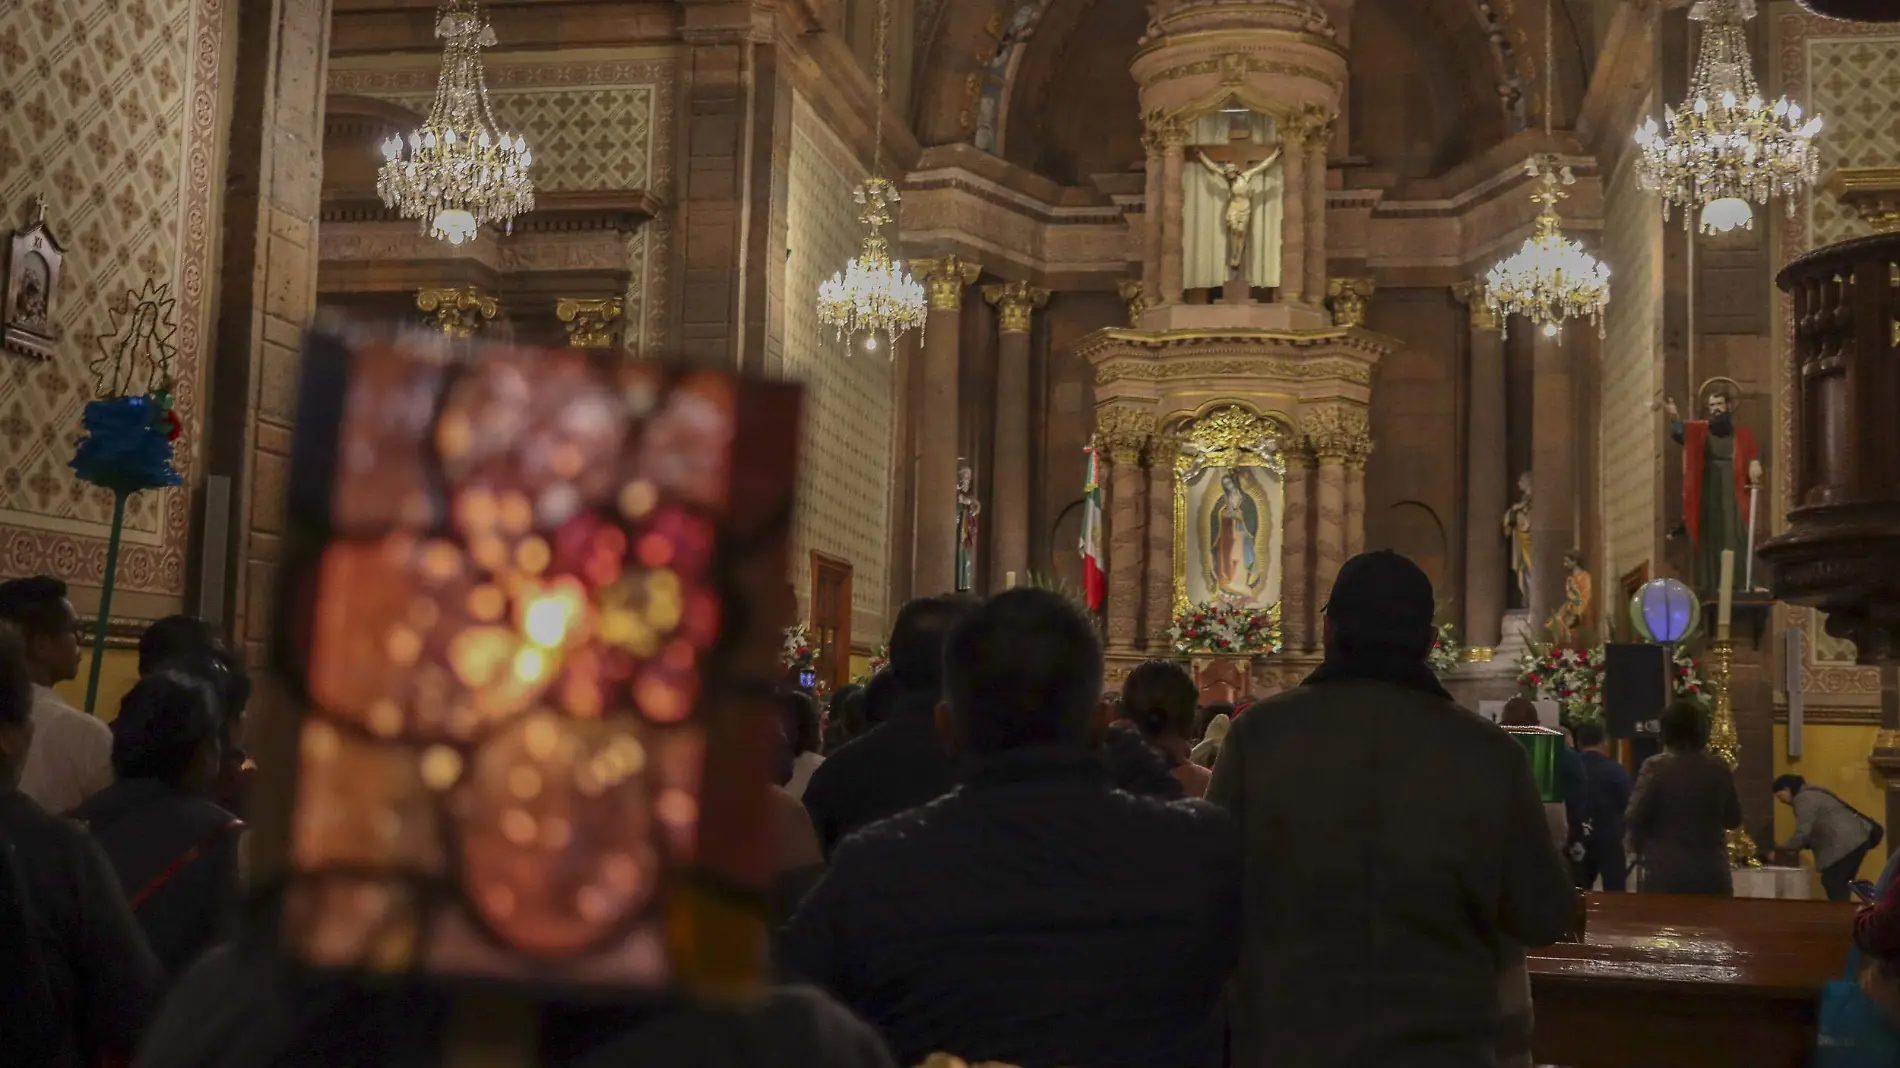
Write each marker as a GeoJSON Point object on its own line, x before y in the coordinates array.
{"type": "Point", "coordinates": [845, 475]}
{"type": "Point", "coordinates": [1632, 445]}
{"type": "Point", "coordinates": [109, 109]}
{"type": "Point", "coordinates": [595, 121]}
{"type": "Point", "coordinates": [1850, 74]}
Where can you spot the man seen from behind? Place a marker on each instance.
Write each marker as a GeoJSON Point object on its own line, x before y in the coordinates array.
{"type": "Point", "coordinates": [1396, 849]}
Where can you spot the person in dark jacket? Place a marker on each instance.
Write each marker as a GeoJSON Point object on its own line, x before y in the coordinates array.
{"type": "Point", "coordinates": [244, 1006]}
{"type": "Point", "coordinates": [191, 645]}
{"type": "Point", "coordinates": [1397, 851]}
{"type": "Point", "coordinates": [174, 849]}
{"type": "Point", "coordinates": [75, 957]}
{"type": "Point", "coordinates": [901, 763]}
{"type": "Point", "coordinates": [1609, 798]}
{"type": "Point", "coordinates": [1037, 915]}
{"type": "Point", "coordinates": [1681, 809]}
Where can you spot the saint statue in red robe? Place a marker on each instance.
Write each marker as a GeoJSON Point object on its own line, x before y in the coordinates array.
{"type": "Point", "coordinates": [1721, 469]}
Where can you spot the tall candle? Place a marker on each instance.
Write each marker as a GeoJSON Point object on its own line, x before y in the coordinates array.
{"type": "Point", "coordinates": [1009, 580]}
{"type": "Point", "coordinates": [1725, 600]}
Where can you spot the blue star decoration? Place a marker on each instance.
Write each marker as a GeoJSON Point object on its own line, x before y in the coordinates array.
{"type": "Point", "coordinates": [128, 443]}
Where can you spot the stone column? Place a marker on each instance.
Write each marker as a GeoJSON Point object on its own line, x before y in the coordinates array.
{"type": "Point", "coordinates": [1338, 433]}
{"type": "Point", "coordinates": [1356, 501]}
{"type": "Point", "coordinates": [1319, 140]}
{"type": "Point", "coordinates": [1296, 595]}
{"type": "Point", "coordinates": [1009, 472]}
{"type": "Point", "coordinates": [1158, 608]}
{"type": "Point", "coordinates": [1553, 476]}
{"type": "Point", "coordinates": [936, 538]}
{"type": "Point", "coordinates": [1487, 475]}
{"type": "Point", "coordinates": [267, 290]}
{"type": "Point", "coordinates": [1154, 207]}
{"type": "Point", "coordinates": [1293, 216]}
{"type": "Point", "coordinates": [1174, 141]}
{"type": "Point", "coordinates": [1122, 432]}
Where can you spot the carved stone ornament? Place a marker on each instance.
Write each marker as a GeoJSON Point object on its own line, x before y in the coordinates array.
{"type": "Point", "coordinates": [1015, 301]}
{"type": "Point", "coordinates": [590, 322]}
{"type": "Point", "coordinates": [1136, 297]}
{"type": "Point", "coordinates": [1123, 432]}
{"type": "Point", "coordinates": [945, 278]}
{"type": "Point", "coordinates": [1339, 433]}
{"type": "Point", "coordinates": [1349, 296]}
{"type": "Point", "coordinates": [29, 321]}
{"type": "Point", "coordinates": [460, 311]}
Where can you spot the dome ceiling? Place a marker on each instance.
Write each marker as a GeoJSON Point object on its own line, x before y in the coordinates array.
{"type": "Point", "coordinates": [1045, 84]}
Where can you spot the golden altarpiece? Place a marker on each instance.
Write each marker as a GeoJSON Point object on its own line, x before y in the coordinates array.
{"type": "Point", "coordinates": [1234, 415]}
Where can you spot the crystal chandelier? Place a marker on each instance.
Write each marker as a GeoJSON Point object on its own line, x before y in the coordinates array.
{"type": "Point", "coordinates": [875, 294]}
{"type": "Point", "coordinates": [459, 172]}
{"type": "Point", "coordinates": [1725, 146]}
{"type": "Point", "coordinates": [1551, 278]}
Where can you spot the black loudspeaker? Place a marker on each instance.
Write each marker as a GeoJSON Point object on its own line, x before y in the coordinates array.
{"type": "Point", "coordinates": [1635, 687]}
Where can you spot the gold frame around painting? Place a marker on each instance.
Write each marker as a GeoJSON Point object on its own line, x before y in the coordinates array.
{"type": "Point", "coordinates": [1227, 435]}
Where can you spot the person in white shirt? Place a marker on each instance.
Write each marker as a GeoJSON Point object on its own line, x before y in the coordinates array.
{"type": "Point", "coordinates": [71, 755]}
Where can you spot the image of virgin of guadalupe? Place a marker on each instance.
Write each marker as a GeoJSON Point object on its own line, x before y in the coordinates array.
{"type": "Point", "coordinates": [1233, 534]}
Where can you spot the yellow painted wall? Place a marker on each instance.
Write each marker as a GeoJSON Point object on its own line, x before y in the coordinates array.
{"type": "Point", "coordinates": [1835, 756]}
{"type": "Point", "coordinates": [116, 676]}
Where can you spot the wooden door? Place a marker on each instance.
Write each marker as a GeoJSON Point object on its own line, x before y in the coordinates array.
{"type": "Point", "coordinates": [831, 618]}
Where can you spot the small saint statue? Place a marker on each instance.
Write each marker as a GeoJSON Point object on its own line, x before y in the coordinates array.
{"type": "Point", "coordinates": [1517, 528]}
{"type": "Point", "coordinates": [1721, 472]}
{"type": "Point", "coordinates": [968, 508]}
{"type": "Point", "coordinates": [1568, 627]}
{"type": "Point", "coordinates": [1238, 215]}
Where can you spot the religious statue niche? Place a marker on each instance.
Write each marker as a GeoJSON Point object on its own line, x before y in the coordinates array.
{"type": "Point", "coordinates": [968, 509]}
{"type": "Point", "coordinates": [29, 322]}
{"type": "Point", "coordinates": [1517, 530]}
{"type": "Point", "coordinates": [1231, 201]}
{"type": "Point", "coordinates": [1721, 472]}
{"type": "Point", "coordinates": [1229, 494]}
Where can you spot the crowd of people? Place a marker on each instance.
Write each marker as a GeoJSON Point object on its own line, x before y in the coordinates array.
{"type": "Point", "coordinates": [979, 853]}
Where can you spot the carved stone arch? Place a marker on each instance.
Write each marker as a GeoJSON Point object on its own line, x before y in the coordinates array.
{"type": "Point", "coordinates": [354, 128]}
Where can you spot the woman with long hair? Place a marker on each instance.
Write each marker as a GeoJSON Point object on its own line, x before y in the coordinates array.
{"type": "Point", "coordinates": [1158, 699]}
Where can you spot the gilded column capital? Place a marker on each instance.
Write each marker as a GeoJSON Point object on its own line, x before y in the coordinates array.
{"type": "Point", "coordinates": [1339, 434]}
{"type": "Point", "coordinates": [1471, 295]}
{"type": "Point", "coordinates": [1135, 295]}
{"type": "Point", "coordinates": [1349, 296]}
{"type": "Point", "coordinates": [944, 278]}
{"type": "Point", "coordinates": [1123, 431]}
{"type": "Point", "coordinates": [590, 321]}
{"type": "Point", "coordinates": [1015, 301]}
{"type": "Point", "coordinates": [1162, 131]}
{"type": "Point", "coordinates": [460, 311]}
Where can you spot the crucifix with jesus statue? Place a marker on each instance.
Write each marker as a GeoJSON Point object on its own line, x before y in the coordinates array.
{"type": "Point", "coordinates": [1234, 197]}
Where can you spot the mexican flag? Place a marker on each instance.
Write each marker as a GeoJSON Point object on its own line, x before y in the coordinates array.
{"type": "Point", "coordinates": [1094, 558]}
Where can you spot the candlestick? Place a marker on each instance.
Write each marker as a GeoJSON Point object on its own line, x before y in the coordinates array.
{"type": "Point", "coordinates": [1724, 742]}
{"type": "Point", "coordinates": [1725, 600]}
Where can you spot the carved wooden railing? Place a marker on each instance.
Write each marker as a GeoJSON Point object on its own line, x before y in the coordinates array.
{"type": "Point", "coordinates": [1841, 552]}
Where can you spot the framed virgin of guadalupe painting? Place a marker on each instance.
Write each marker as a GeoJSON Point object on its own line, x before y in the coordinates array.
{"type": "Point", "coordinates": [1229, 501]}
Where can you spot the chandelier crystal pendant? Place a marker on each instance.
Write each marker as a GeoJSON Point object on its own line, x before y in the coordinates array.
{"type": "Point", "coordinates": [459, 172]}
{"type": "Point", "coordinates": [1725, 147]}
{"type": "Point", "coordinates": [874, 294]}
{"type": "Point", "coordinates": [1551, 278]}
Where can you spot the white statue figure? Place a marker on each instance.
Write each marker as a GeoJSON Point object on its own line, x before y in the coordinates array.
{"type": "Point", "coordinates": [1239, 212]}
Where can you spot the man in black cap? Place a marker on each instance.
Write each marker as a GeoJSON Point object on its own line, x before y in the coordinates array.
{"type": "Point", "coordinates": [1397, 852]}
